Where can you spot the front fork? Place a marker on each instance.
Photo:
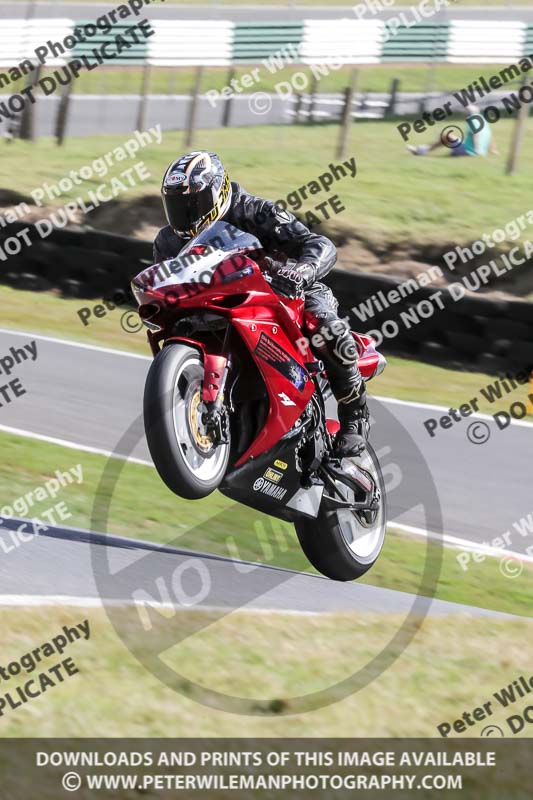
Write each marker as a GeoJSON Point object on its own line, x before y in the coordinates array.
{"type": "Point", "coordinates": [216, 373]}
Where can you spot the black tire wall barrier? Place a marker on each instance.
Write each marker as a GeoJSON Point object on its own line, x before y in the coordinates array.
{"type": "Point", "coordinates": [474, 333]}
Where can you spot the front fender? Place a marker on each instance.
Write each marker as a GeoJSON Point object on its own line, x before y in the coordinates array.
{"type": "Point", "coordinates": [214, 366]}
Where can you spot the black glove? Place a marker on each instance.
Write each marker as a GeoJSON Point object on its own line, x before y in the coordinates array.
{"type": "Point", "coordinates": [292, 280]}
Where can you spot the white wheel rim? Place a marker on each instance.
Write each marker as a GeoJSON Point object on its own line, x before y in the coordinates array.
{"type": "Point", "coordinates": [204, 469]}
{"type": "Point", "coordinates": [363, 540]}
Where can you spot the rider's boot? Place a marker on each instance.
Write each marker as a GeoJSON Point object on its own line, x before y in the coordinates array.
{"type": "Point", "coordinates": [353, 414]}
{"type": "Point", "coordinates": [337, 349]}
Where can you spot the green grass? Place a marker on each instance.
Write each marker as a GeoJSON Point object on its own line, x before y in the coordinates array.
{"type": "Point", "coordinates": [271, 658]}
{"type": "Point", "coordinates": [140, 506]}
{"type": "Point", "coordinates": [448, 200]}
{"type": "Point", "coordinates": [52, 315]}
{"type": "Point", "coordinates": [413, 77]}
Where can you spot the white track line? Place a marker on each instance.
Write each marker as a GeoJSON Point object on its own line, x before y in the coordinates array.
{"type": "Point", "coordinates": [81, 345]}
{"type": "Point", "coordinates": [38, 601]}
{"type": "Point", "coordinates": [55, 601]}
{"type": "Point", "coordinates": [457, 543]}
{"type": "Point", "coordinates": [446, 409]}
{"type": "Point", "coordinates": [451, 541]}
{"type": "Point", "coordinates": [98, 348]}
{"type": "Point", "coordinates": [85, 448]}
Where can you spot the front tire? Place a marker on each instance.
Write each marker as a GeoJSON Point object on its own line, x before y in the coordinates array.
{"type": "Point", "coordinates": [341, 544]}
{"type": "Point", "coordinates": [181, 448]}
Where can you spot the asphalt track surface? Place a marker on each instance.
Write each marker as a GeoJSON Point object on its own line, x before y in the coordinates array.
{"type": "Point", "coordinates": [110, 114]}
{"type": "Point", "coordinates": [262, 12]}
{"type": "Point", "coordinates": [116, 113]}
{"type": "Point", "coordinates": [89, 396]}
{"type": "Point", "coordinates": [61, 565]}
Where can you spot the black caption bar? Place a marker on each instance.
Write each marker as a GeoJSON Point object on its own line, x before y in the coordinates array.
{"type": "Point", "coordinates": [490, 768]}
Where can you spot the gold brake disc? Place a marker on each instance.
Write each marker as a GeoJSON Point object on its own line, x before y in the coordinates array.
{"type": "Point", "coordinates": [202, 440]}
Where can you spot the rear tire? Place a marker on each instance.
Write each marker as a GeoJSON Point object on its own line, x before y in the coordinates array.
{"type": "Point", "coordinates": [339, 544]}
{"type": "Point", "coordinates": [184, 456]}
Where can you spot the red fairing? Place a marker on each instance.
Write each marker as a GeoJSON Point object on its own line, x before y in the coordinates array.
{"type": "Point", "coordinates": [332, 426]}
{"type": "Point", "coordinates": [371, 363]}
{"type": "Point", "coordinates": [270, 327]}
{"type": "Point", "coordinates": [287, 381]}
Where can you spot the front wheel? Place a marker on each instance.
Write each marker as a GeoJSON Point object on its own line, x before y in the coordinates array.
{"type": "Point", "coordinates": [186, 458]}
{"type": "Point", "coordinates": [343, 544]}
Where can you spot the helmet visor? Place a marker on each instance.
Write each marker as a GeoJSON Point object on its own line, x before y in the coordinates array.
{"type": "Point", "coordinates": [185, 211]}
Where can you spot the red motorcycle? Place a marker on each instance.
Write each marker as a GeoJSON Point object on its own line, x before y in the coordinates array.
{"type": "Point", "coordinates": [236, 401]}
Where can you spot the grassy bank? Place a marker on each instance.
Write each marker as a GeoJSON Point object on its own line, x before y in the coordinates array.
{"type": "Point", "coordinates": [449, 200]}
{"type": "Point", "coordinates": [270, 659]}
{"type": "Point", "coordinates": [140, 506]}
{"type": "Point", "coordinates": [404, 379]}
{"type": "Point", "coordinates": [413, 77]}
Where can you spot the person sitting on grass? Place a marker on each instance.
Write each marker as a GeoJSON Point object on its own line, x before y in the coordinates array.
{"type": "Point", "coordinates": [473, 144]}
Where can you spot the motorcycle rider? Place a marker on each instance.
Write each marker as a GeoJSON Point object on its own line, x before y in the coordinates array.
{"type": "Point", "coordinates": [196, 193]}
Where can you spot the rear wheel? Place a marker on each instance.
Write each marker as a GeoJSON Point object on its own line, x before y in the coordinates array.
{"type": "Point", "coordinates": [184, 454]}
{"type": "Point", "coordinates": [344, 544]}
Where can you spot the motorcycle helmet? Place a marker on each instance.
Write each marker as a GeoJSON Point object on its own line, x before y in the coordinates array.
{"type": "Point", "coordinates": [196, 192]}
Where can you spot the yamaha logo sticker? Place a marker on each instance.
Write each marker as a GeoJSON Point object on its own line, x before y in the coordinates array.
{"type": "Point", "coordinates": [270, 489]}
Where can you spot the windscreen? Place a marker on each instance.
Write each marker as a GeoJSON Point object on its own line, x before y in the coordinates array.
{"type": "Point", "coordinates": [225, 237]}
{"type": "Point", "coordinates": [198, 260]}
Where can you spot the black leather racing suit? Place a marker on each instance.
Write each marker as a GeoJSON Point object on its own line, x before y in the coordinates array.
{"type": "Point", "coordinates": [282, 235]}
